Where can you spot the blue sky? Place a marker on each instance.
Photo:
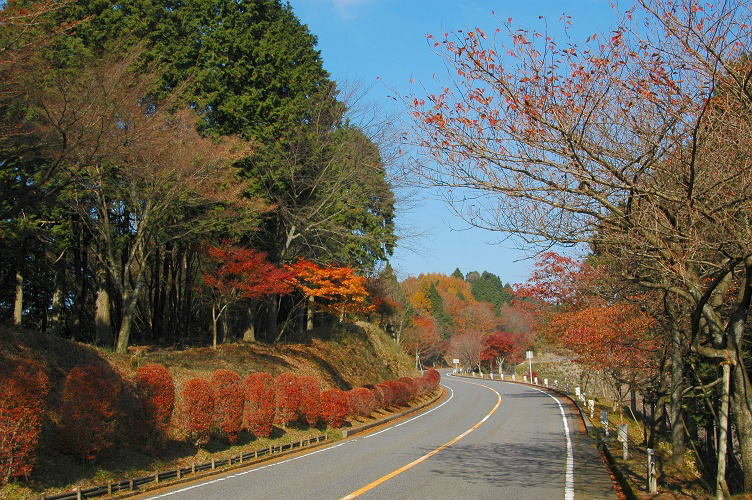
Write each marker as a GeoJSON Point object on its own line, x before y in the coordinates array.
{"type": "Point", "coordinates": [381, 44]}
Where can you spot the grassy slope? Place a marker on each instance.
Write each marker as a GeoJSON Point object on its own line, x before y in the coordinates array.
{"type": "Point", "coordinates": [345, 357]}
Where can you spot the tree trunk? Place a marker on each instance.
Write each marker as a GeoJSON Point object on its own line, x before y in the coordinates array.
{"type": "Point", "coordinates": [18, 303]}
{"type": "Point", "coordinates": [102, 317]}
{"type": "Point", "coordinates": [741, 395]}
{"type": "Point", "coordinates": [721, 488]}
{"type": "Point", "coordinates": [215, 317]}
{"type": "Point", "coordinates": [130, 301]}
{"type": "Point", "coordinates": [309, 313]}
{"type": "Point", "coordinates": [677, 388]}
{"type": "Point", "coordinates": [272, 310]}
{"type": "Point", "coordinates": [225, 329]}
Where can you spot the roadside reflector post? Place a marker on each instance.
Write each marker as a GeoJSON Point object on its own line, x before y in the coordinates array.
{"type": "Point", "coordinates": [652, 480]}
{"type": "Point", "coordinates": [622, 436]}
{"type": "Point", "coordinates": [604, 421]}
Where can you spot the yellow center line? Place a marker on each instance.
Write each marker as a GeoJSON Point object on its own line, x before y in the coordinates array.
{"type": "Point", "coordinates": [428, 455]}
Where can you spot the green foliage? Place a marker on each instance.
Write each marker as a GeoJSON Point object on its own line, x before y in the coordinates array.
{"type": "Point", "coordinates": [458, 274]}
{"type": "Point", "coordinates": [488, 287]}
{"type": "Point", "coordinates": [443, 320]}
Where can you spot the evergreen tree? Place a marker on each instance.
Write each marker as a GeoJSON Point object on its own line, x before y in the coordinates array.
{"type": "Point", "coordinates": [489, 288]}
{"type": "Point", "coordinates": [458, 274]}
{"type": "Point", "coordinates": [443, 320]}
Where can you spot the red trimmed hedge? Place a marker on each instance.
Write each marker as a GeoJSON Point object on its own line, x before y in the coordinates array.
{"type": "Point", "coordinates": [334, 407]}
{"type": "Point", "coordinates": [227, 389]}
{"type": "Point", "coordinates": [197, 410]}
{"type": "Point", "coordinates": [310, 400]}
{"type": "Point", "coordinates": [258, 413]}
{"type": "Point", "coordinates": [23, 389]}
{"type": "Point", "coordinates": [157, 392]}
{"type": "Point", "coordinates": [287, 389]}
{"type": "Point", "coordinates": [362, 401]}
{"type": "Point", "coordinates": [387, 395]}
{"type": "Point", "coordinates": [89, 407]}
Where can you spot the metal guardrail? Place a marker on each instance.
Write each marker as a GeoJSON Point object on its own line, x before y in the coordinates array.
{"type": "Point", "coordinates": [133, 484]}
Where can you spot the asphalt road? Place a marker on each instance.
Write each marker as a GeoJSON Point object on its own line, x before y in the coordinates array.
{"type": "Point", "coordinates": [490, 439]}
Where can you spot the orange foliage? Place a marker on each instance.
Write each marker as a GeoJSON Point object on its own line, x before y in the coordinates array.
{"type": "Point", "coordinates": [227, 389]}
{"type": "Point", "coordinates": [157, 391]}
{"type": "Point", "coordinates": [24, 389]}
{"type": "Point", "coordinates": [362, 401]}
{"type": "Point", "coordinates": [334, 407]}
{"type": "Point", "coordinates": [89, 407]}
{"type": "Point", "coordinates": [258, 412]}
{"type": "Point", "coordinates": [197, 410]}
{"type": "Point", "coordinates": [338, 289]}
{"type": "Point", "coordinates": [310, 399]}
{"type": "Point", "coordinates": [287, 398]}
{"type": "Point", "coordinates": [606, 336]}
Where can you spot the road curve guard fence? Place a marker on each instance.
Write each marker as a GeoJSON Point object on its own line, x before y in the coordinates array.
{"type": "Point", "coordinates": [129, 485]}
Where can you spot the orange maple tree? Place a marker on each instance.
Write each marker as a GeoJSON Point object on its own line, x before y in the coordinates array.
{"type": "Point", "coordinates": [338, 289]}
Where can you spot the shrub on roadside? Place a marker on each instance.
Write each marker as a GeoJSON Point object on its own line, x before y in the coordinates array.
{"type": "Point", "coordinates": [197, 411]}
{"type": "Point", "coordinates": [334, 407]}
{"type": "Point", "coordinates": [400, 392]}
{"type": "Point", "coordinates": [157, 392]}
{"type": "Point", "coordinates": [89, 407]}
{"type": "Point", "coordinates": [412, 387]}
{"type": "Point", "coordinates": [310, 400]}
{"type": "Point", "coordinates": [387, 395]}
{"type": "Point", "coordinates": [432, 377]}
{"type": "Point", "coordinates": [287, 398]}
{"type": "Point", "coordinates": [23, 389]}
{"type": "Point", "coordinates": [227, 389]}
{"type": "Point", "coordinates": [259, 407]}
{"type": "Point", "coordinates": [361, 401]}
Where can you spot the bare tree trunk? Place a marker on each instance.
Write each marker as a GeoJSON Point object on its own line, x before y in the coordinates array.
{"type": "Point", "coordinates": [249, 334]}
{"type": "Point", "coordinates": [721, 488]}
{"type": "Point", "coordinates": [309, 313]}
{"type": "Point", "coordinates": [215, 317]}
{"type": "Point", "coordinates": [18, 303]}
{"type": "Point", "coordinates": [102, 317]}
{"type": "Point", "coordinates": [54, 324]}
{"type": "Point", "coordinates": [677, 388]}
{"type": "Point", "coordinates": [272, 312]}
{"type": "Point", "coordinates": [130, 301]}
{"type": "Point", "coordinates": [225, 329]}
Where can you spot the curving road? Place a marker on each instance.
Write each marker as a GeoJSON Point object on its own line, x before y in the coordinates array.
{"type": "Point", "coordinates": [489, 439]}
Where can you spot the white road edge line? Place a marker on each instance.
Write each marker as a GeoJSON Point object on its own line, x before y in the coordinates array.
{"type": "Point", "coordinates": [569, 476]}
{"type": "Point", "coordinates": [213, 481]}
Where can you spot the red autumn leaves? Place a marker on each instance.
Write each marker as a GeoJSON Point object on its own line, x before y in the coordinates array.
{"type": "Point", "coordinates": [227, 405]}
{"type": "Point", "coordinates": [98, 408]}
{"type": "Point", "coordinates": [239, 272]}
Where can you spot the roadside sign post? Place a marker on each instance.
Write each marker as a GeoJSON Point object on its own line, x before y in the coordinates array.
{"type": "Point", "coordinates": [529, 357]}
{"type": "Point", "coordinates": [652, 480]}
{"type": "Point", "coordinates": [456, 363]}
{"type": "Point", "coordinates": [623, 435]}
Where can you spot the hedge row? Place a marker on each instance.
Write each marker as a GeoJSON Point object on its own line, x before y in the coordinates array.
{"type": "Point", "coordinates": [260, 401]}
{"type": "Point", "coordinates": [98, 407]}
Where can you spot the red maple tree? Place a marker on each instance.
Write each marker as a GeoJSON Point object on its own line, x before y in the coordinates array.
{"type": "Point", "coordinates": [238, 273]}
